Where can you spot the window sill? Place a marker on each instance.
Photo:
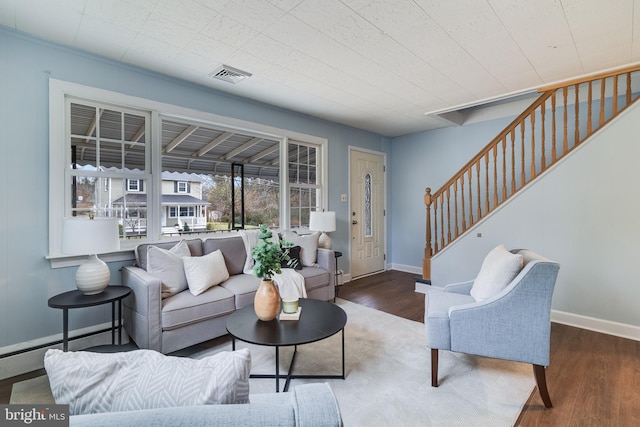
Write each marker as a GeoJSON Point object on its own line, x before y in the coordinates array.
{"type": "Point", "coordinates": [62, 261]}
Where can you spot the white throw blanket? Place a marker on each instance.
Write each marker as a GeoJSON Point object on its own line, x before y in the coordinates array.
{"type": "Point", "coordinates": [250, 239]}
{"type": "Point", "coordinates": [290, 283]}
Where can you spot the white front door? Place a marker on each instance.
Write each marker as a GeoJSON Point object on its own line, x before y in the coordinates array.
{"type": "Point", "coordinates": [367, 212]}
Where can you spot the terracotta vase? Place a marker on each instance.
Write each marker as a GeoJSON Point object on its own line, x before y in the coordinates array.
{"type": "Point", "coordinates": [266, 303]}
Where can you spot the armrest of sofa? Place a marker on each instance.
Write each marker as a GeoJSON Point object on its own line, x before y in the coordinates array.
{"type": "Point", "coordinates": [305, 405]}
{"type": "Point", "coordinates": [327, 261]}
{"type": "Point", "coordinates": [143, 310]}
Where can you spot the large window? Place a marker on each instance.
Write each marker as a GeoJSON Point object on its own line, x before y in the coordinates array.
{"type": "Point", "coordinates": [237, 173]}
{"type": "Point", "coordinates": [156, 166]}
{"type": "Point", "coordinates": [304, 186]}
{"type": "Point", "coordinates": [107, 150]}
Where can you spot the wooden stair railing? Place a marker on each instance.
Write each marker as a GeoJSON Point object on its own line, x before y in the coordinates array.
{"type": "Point", "coordinates": [550, 128]}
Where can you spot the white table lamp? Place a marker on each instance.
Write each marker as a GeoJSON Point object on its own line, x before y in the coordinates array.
{"type": "Point", "coordinates": [81, 236]}
{"type": "Point", "coordinates": [325, 222]}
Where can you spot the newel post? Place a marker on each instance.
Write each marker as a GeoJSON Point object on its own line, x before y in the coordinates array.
{"type": "Point", "coordinates": [426, 261]}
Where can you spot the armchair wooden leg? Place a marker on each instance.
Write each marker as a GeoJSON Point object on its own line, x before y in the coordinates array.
{"type": "Point", "coordinates": [541, 381]}
{"type": "Point", "coordinates": [434, 367]}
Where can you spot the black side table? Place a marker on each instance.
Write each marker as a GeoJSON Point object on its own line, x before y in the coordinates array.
{"type": "Point", "coordinates": [76, 299]}
{"type": "Point", "coordinates": [337, 254]}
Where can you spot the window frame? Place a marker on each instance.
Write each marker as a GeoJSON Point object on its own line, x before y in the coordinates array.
{"type": "Point", "coordinates": [130, 188]}
{"type": "Point", "coordinates": [182, 190]}
{"type": "Point", "coordinates": [60, 91]}
{"type": "Point", "coordinates": [319, 203]}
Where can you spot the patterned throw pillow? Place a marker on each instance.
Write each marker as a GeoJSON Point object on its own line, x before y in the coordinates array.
{"type": "Point", "coordinates": [294, 258]}
{"type": "Point", "coordinates": [145, 379]}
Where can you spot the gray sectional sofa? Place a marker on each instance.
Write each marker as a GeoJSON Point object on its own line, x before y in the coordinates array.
{"type": "Point", "coordinates": [182, 320]}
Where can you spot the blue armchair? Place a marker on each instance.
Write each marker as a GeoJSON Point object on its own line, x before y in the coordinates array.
{"type": "Point", "coordinates": [513, 324]}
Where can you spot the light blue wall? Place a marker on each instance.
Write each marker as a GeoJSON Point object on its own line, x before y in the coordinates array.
{"type": "Point", "coordinates": [26, 279]}
{"type": "Point", "coordinates": [582, 213]}
{"type": "Point", "coordinates": [427, 159]}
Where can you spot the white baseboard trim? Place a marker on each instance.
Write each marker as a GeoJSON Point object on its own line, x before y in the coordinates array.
{"type": "Point", "coordinates": [33, 360]}
{"type": "Point", "coordinates": [406, 268]}
{"type": "Point", "coordinates": [608, 327]}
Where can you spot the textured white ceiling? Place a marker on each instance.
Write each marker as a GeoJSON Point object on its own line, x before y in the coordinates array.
{"type": "Point", "coordinates": [378, 65]}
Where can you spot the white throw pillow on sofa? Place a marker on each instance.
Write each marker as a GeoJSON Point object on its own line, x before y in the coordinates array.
{"type": "Point", "coordinates": [308, 246]}
{"type": "Point", "coordinates": [498, 269]}
{"type": "Point", "coordinates": [205, 271]}
{"type": "Point", "coordinates": [145, 379]}
{"type": "Point", "coordinates": [169, 267]}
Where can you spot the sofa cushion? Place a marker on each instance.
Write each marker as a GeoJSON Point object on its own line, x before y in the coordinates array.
{"type": "Point", "coordinates": [315, 277]}
{"type": "Point", "coordinates": [185, 308]}
{"type": "Point", "coordinates": [144, 379]}
{"type": "Point", "coordinates": [168, 266]}
{"type": "Point", "coordinates": [244, 287]}
{"type": "Point", "coordinates": [308, 246]}
{"type": "Point", "coordinates": [195, 247]}
{"type": "Point", "coordinates": [205, 271]}
{"type": "Point", "coordinates": [232, 249]}
{"type": "Point", "coordinates": [498, 269]}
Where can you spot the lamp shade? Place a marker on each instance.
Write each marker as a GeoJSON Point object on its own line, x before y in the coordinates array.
{"type": "Point", "coordinates": [82, 236]}
{"type": "Point", "coordinates": [322, 221]}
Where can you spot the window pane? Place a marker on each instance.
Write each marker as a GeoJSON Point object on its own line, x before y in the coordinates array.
{"type": "Point", "coordinates": [129, 207]}
{"type": "Point", "coordinates": [106, 145]}
{"type": "Point", "coordinates": [206, 156]}
{"type": "Point", "coordinates": [295, 218]}
{"type": "Point", "coordinates": [110, 125]}
{"type": "Point", "coordinates": [367, 206]}
{"type": "Point", "coordinates": [83, 193]}
{"type": "Point", "coordinates": [304, 193]}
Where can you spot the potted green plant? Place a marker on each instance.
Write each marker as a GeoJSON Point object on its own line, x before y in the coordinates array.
{"type": "Point", "coordinates": [268, 256]}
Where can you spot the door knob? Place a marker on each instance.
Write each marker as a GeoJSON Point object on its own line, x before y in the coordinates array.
{"type": "Point", "coordinates": [354, 222]}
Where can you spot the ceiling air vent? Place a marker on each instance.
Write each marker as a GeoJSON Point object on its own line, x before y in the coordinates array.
{"type": "Point", "coordinates": [229, 74]}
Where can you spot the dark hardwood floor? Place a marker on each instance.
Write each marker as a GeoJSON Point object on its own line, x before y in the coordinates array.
{"type": "Point", "coordinates": [593, 379]}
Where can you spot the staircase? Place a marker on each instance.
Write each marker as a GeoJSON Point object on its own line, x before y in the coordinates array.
{"type": "Point", "coordinates": [561, 119]}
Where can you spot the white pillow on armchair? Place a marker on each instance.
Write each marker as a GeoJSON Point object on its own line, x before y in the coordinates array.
{"type": "Point", "coordinates": [498, 269]}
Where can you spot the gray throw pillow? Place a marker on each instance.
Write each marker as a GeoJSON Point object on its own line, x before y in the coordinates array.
{"type": "Point", "coordinates": [168, 266]}
{"type": "Point", "coordinates": [308, 246]}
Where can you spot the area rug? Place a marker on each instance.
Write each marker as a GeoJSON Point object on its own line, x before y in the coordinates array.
{"type": "Point", "coordinates": [388, 378]}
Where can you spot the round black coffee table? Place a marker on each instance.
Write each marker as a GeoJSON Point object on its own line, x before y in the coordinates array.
{"type": "Point", "coordinates": [318, 320]}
